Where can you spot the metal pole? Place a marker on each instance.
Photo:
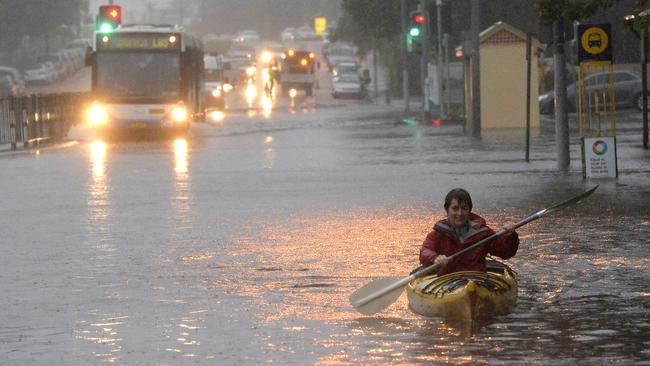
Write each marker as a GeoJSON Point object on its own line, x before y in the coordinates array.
{"type": "Point", "coordinates": [644, 84]}
{"type": "Point", "coordinates": [387, 74]}
{"type": "Point", "coordinates": [528, 63]}
{"type": "Point", "coordinates": [374, 67]}
{"type": "Point", "coordinates": [439, 61]}
{"type": "Point", "coordinates": [561, 116]}
{"type": "Point", "coordinates": [424, 63]}
{"type": "Point", "coordinates": [476, 68]}
{"type": "Point", "coordinates": [445, 43]}
{"type": "Point", "coordinates": [405, 72]}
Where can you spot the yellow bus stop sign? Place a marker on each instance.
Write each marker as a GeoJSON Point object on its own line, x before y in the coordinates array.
{"type": "Point", "coordinates": [595, 42]}
{"type": "Point", "coordinates": [320, 24]}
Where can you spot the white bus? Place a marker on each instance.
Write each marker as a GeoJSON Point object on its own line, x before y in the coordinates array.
{"type": "Point", "coordinates": [146, 77]}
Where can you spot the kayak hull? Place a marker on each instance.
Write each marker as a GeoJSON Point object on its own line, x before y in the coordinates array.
{"type": "Point", "coordinates": [466, 295]}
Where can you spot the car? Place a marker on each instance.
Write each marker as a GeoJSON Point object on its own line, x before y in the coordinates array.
{"type": "Point", "coordinates": [59, 63]}
{"type": "Point", "coordinates": [215, 88]}
{"type": "Point", "coordinates": [345, 67]}
{"type": "Point", "coordinates": [627, 91]}
{"type": "Point", "coordinates": [288, 34]}
{"type": "Point", "coordinates": [247, 36]}
{"type": "Point", "coordinates": [348, 85]}
{"type": "Point", "coordinates": [6, 86]}
{"type": "Point", "coordinates": [40, 73]}
{"type": "Point", "coordinates": [14, 80]}
{"type": "Point", "coordinates": [340, 52]}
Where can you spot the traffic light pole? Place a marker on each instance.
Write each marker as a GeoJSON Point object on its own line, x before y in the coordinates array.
{"type": "Point", "coordinates": [644, 84]}
{"type": "Point", "coordinates": [476, 68]}
{"type": "Point", "coordinates": [405, 72]}
{"type": "Point", "coordinates": [439, 66]}
{"type": "Point", "coordinates": [424, 64]}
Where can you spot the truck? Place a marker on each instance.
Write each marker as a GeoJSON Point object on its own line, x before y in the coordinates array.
{"type": "Point", "coordinates": [297, 72]}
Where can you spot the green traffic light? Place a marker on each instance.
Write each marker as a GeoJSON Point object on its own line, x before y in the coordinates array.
{"type": "Point", "coordinates": [106, 28]}
{"type": "Point", "coordinates": [414, 32]}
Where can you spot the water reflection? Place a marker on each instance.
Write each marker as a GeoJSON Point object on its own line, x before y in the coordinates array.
{"type": "Point", "coordinates": [302, 271]}
{"type": "Point", "coordinates": [216, 116]}
{"type": "Point", "coordinates": [269, 153]}
{"type": "Point", "coordinates": [250, 94]}
{"type": "Point", "coordinates": [266, 102]}
{"type": "Point", "coordinates": [94, 326]}
{"type": "Point", "coordinates": [182, 191]}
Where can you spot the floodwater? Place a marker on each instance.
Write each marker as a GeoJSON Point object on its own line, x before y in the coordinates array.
{"type": "Point", "coordinates": [241, 244]}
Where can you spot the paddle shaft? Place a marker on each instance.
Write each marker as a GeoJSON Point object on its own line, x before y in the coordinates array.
{"type": "Point", "coordinates": [434, 267]}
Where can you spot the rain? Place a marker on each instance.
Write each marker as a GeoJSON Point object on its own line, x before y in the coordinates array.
{"type": "Point", "coordinates": [209, 181]}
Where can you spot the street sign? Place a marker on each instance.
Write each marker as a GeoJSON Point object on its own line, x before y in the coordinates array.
{"type": "Point", "coordinates": [595, 43]}
{"type": "Point", "coordinates": [600, 157]}
{"type": "Point", "coordinates": [320, 24]}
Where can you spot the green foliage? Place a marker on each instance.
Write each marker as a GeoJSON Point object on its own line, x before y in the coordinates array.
{"type": "Point", "coordinates": [569, 10]}
{"type": "Point", "coordinates": [37, 17]}
{"type": "Point", "coordinates": [376, 18]}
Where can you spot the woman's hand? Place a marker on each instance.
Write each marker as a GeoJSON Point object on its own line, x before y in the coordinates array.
{"type": "Point", "coordinates": [509, 227]}
{"type": "Point", "coordinates": [441, 260]}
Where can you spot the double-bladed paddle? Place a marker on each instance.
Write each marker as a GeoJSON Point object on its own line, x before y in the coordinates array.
{"type": "Point", "coordinates": [381, 293]}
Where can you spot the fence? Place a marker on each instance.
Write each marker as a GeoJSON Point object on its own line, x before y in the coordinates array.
{"type": "Point", "coordinates": [39, 118]}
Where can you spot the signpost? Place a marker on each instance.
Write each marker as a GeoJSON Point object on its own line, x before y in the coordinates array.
{"type": "Point", "coordinates": [320, 24]}
{"type": "Point", "coordinates": [596, 107]}
{"type": "Point", "coordinates": [600, 157]}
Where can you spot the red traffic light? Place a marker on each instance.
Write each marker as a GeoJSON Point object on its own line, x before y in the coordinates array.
{"type": "Point", "coordinates": [111, 12]}
{"type": "Point", "coordinates": [418, 18]}
{"type": "Point", "coordinates": [114, 13]}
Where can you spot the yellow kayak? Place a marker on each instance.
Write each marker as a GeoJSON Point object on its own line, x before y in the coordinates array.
{"type": "Point", "coordinates": [466, 295]}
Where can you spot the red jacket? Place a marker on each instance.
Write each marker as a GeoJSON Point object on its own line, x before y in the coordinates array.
{"type": "Point", "coordinates": [443, 240]}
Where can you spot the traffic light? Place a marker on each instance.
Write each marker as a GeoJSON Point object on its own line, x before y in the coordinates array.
{"type": "Point", "coordinates": [418, 24]}
{"type": "Point", "coordinates": [109, 17]}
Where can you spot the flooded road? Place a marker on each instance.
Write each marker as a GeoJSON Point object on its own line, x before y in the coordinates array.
{"type": "Point", "coordinates": [241, 244]}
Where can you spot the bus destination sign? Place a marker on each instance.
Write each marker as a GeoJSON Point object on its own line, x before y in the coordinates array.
{"type": "Point", "coordinates": [168, 41]}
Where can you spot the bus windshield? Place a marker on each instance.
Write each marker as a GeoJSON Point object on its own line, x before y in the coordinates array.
{"type": "Point", "coordinates": [138, 75]}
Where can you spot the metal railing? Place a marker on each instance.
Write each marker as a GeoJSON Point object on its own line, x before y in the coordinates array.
{"type": "Point", "coordinates": [34, 119]}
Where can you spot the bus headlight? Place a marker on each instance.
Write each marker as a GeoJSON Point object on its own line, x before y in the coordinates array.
{"type": "Point", "coordinates": [179, 114]}
{"type": "Point", "coordinates": [96, 114]}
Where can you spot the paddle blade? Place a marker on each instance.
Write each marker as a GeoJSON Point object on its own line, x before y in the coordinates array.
{"type": "Point", "coordinates": [381, 299]}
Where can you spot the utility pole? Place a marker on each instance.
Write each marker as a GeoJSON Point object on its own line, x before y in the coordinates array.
{"type": "Point", "coordinates": [476, 68]}
{"type": "Point", "coordinates": [445, 43]}
{"type": "Point", "coordinates": [424, 63]}
{"type": "Point", "coordinates": [439, 61]}
{"type": "Point", "coordinates": [644, 83]}
{"type": "Point", "coordinates": [561, 116]}
{"type": "Point", "coordinates": [373, 42]}
{"type": "Point", "coordinates": [405, 72]}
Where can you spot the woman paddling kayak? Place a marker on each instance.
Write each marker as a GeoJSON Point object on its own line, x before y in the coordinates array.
{"type": "Point", "coordinates": [458, 231]}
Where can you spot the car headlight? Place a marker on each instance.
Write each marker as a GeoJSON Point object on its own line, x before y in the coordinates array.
{"type": "Point", "coordinates": [179, 114]}
{"type": "Point", "coordinates": [227, 87]}
{"type": "Point", "coordinates": [96, 114]}
{"type": "Point", "coordinates": [266, 57]}
{"type": "Point", "coordinates": [250, 71]}
{"type": "Point", "coordinates": [543, 97]}
{"type": "Point", "coordinates": [216, 92]}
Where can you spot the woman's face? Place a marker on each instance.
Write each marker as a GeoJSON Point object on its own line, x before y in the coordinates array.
{"type": "Point", "coordinates": [457, 213]}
